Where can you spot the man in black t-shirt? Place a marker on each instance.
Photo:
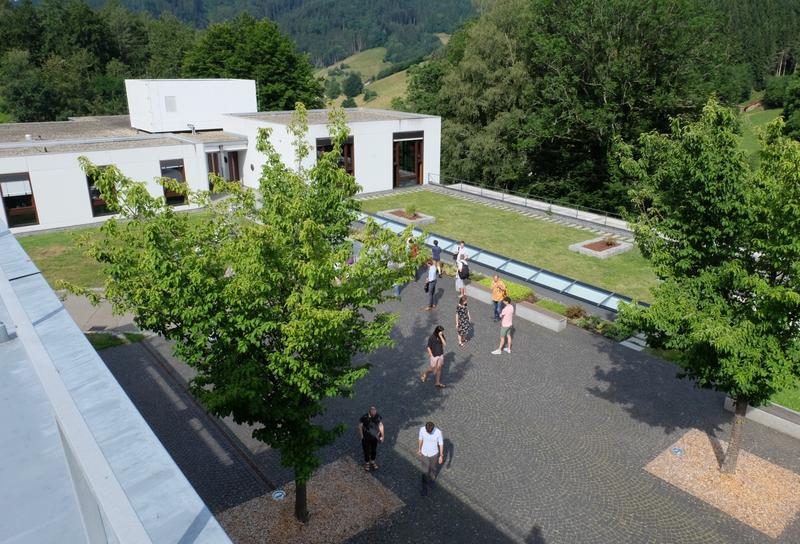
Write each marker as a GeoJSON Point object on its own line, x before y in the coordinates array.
{"type": "Point", "coordinates": [370, 430]}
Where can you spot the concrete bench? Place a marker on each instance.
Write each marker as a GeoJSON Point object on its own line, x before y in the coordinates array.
{"type": "Point", "coordinates": [524, 310]}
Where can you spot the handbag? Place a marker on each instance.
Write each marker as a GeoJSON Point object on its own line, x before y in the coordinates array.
{"type": "Point", "coordinates": [427, 286]}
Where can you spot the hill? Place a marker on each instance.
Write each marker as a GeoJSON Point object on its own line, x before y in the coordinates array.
{"type": "Point", "coordinates": [331, 30]}
{"type": "Point", "coordinates": [368, 63]}
{"type": "Point", "coordinates": [393, 86]}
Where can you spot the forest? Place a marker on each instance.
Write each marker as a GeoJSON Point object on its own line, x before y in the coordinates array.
{"type": "Point", "coordinates": [544, 89]}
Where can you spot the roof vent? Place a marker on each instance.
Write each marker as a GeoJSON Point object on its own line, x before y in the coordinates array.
{"type": "Point", "coordinates": [5, 336]}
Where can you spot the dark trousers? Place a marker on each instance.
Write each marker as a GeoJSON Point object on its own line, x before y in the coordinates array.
{"type": "Point", "coordinates": [429, 465]}
{"type": "Point", "coordinates": [497, 306]}
{"type": "Point", "coordinates": [432, 293]}
{"type": "Point", "coordinates": [370, 446]}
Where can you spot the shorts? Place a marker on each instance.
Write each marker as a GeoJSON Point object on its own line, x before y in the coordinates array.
{"type": "Point", "coordinates": [437, 360]}
{"type": "Point", "coordinates": [505, 331]}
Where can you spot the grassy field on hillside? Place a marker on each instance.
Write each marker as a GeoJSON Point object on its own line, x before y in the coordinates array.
{"type": "Point", "coordinates": [368, 62]}
{"type": "Point", "coordinates": [752, 121]}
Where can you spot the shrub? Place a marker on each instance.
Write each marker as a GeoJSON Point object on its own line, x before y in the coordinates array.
{"type": "Point", "coordinates": [775, 91]}
{"type": "Point", "coordinates": [370, 95]}
{"type": "Point", "coordinates": [349, 103]}
{"type": "Point", "coordinates": [574, 312]}
{"type": "Point", "coordinates": [411, 210]}
{"type": "Point", "coordinates": [515, 291]}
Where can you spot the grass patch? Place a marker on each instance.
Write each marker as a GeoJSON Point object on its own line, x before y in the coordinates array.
{"type": "Point", "coordinates": [752, 121]}
{"type": "Point", "coordinates": [515, 291]}
{"type": "Point", "coordinates": [540, 243]}
{"type": "Point", "coordinates": [59, 256]}
{"type": "Point", "coordinates": [387, 88]}
{"type": "Point", "coordinates": [105, 340]}
{"type": "Point", "coordinates": [790, 398]}
{"type": "Point", "coordinates": [552, 305]}
{"type": "Point", "coordinates": [368, 62]}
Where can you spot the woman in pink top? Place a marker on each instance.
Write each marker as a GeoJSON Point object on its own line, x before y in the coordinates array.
{"type": "Point", "coordinates": [506, 319]}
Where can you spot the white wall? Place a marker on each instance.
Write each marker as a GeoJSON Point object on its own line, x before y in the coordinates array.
{"type": "Point", "coordinates": [373, 148]}
{"type": "Point", "coordinates": [60, 189]}
{"type": "Point", "coordinates": [198, 102]}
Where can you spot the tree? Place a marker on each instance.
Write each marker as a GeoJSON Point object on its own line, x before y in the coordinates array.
{"type": "Point", "coordinates": [332, 88]}
{"type": "Point", "coordinates": [257, 294]}
{"type": "Point", "coordinates": [349, 102]}
{"type": "Point", "coordinates": [248, 48]}
{"type": "Point", "coordinates": [370, 95]}
{"type": "Point", "coordinates": [543, 86]}
{"type": "Point", "coordinates": [791, 107]}
{"type": "Point", "coordinates": [167, 44]}
{"type": "Point", "coordinates": [724, 240]}
{"type": "Point", "coordinates": [352, 85]}
{"type": "Point", "coordinates": [775, 91]}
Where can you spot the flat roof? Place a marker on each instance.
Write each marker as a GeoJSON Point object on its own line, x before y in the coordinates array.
{"type": "Point", "coordinates": [320, 117]}
{"type": "Point", "coordinates": [95, 133]}
{"type": "Point", "coordinates": [69, 434]}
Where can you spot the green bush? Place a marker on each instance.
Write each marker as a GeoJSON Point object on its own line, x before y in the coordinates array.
{"type": "Point", "coordinates": [349, 103]}
{"type": "Point", "coordinates": [515, 291]}
{"type": "Point", "coordinates": [370, 95]}
{"type": "Point", "coordinates": [411, 210]}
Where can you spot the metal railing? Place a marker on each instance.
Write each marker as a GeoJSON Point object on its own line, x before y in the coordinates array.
{"type": "Point", "coordinates": [545, 204]}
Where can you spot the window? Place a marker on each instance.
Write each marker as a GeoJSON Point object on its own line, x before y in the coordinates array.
{"type": "Point", "coordinates": [99, 206]}
{"type": "Point", "coordinates": [18, 201]}
{"type": "Point", "coordinates": [346, 161]}
{"type": "Point", "coordinates": [408, 150]}
{"type": "Point", "coordinates": [173, 169]}
{"type": "Point", "coordinates": [170, 104]}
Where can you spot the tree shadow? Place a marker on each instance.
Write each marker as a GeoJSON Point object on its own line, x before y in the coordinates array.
{"type": "Point", "coordinates": [650, 391]}
{"type": "Point", "coordinates": [536, 536]}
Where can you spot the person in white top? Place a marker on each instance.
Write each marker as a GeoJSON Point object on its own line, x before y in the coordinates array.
{"type": "Point", "coordinates": [430, 447]}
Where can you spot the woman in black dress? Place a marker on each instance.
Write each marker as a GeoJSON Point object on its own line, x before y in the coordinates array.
{"type": "Point", "coordinates": [463, 321]}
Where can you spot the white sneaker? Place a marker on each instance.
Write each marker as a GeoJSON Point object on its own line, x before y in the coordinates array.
{"type": "Point", "coordinates": [507, 350]}
{"type": "Point", "coordinates": [497, 352]}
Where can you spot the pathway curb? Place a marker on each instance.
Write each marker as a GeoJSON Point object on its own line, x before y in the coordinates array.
{"type": "Point", "coordinates": [772, 416]}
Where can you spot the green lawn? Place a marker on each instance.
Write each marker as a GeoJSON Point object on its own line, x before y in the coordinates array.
{"type": "Point", "coordinates": [105, 340]}
{"type": "Point", "coordinates": [750, 122]}
{"type": "Point", "coordinates": [368, 62]}
{"type": "Point", "coordinates": [59, 257]}
{"type": "Point", "coordinates": [789, 398]}
{"type": "Point", "coordinates": [539, 243]}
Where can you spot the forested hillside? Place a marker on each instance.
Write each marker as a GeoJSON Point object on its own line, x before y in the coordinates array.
{"type": "Point", "coordinates": [60, 58]}
{"type": "Point", "coordinates": [330, 30]}
{"type": "Point", "coordinates": [534, 93]}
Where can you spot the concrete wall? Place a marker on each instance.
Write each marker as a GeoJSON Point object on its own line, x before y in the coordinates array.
{"type": "Point", "coordinates": [372, 148]}
{"type": "Point", "coordinates": [193, 102]}
{"type": "Point", "coordinates": [60, 189]}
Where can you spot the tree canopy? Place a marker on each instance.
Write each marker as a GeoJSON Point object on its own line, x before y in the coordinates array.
{"type": "Point", "coordinates": [257, 294]}
{"type": "Point", "coordinates": [724, 240]}
{"type": "Point", "coordinates": [256, 49]}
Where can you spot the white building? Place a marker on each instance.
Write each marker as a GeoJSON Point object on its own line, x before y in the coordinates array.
{"type": "Point", "coordinates": [186, 129]}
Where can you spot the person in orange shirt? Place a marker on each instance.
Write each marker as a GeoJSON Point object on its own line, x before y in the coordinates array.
{"type": "Point", "coordinates": [498, 294]}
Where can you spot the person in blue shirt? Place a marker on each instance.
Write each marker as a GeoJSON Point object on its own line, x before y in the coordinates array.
{"type": "Point", "coordinates": [436, 255]}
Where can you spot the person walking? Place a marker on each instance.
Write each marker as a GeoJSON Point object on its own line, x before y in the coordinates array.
{"type": "Point", "coordinates": [430, 286]}
{"type": "Point", "coordinates": [506, 318]}
{"type": "Point", "coordinates": [435, 348]}
{"type": "Point", "coordinates": [498, 294]}
{"type": "Point", "coordinates": [461, 288]}
{"type": "Point", "coordinates": [436, 255]}
{"type": "Point", "coordinates": [463, 321]}
{"type": "Point", "coordinates": [370, 430]}
{"type": "Point", "coordinates": [430, 448]}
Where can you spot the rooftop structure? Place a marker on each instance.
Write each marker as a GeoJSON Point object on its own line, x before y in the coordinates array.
{"type": "Point", "coordinates": [79, 462]}
{"type": "Point", "coordinates": [320, 117]}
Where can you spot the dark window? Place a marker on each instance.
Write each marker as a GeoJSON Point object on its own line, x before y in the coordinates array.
{"type": "Point", "coordinates": [173, 169]}
{"type": "Point", "coordinates": [18, 201]}
{"type": "Point", "coordinates": [408, 151]}
{"type": "Point", "coordinates": [99, 206]}
{"type": "Point", "coordinates": [347, 160]}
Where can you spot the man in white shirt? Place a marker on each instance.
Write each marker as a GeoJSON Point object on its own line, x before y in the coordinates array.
{"type": "Point", "coordinates": [430, 447]}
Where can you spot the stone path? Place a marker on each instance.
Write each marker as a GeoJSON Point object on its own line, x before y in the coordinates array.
{"type": "Point", "coordinates": [545, 445]}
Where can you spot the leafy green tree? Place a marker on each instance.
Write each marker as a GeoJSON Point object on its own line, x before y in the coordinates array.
{"type": "Point", "coordinates": [130, 36]}
{"type": "Point", "coordinates": [349, 102]}
{"type": "Point", "coordinates": [248, 48]}
{"type": "Point", "coordinates": [791, 107]}
{"type": "Point", "coordinates": [352, 85]}
{"type": "Point", "coordinates": [724, 240]}
{"type": "Point", "coordinates": [168, 41]}
{"type": "Point", "coordinates": [23, 93]}
{"type": "Point", "coordinates": [258, 296]}
{"type": "Point", "coordinates": [21, 28]}
{"type": "Point", "coordinates": [543, 86]}
{"type": "Point", "coordinates": [332, 88]}
{"type": "Point", "coordinates": [71, 25]}
{"type": "Point", "coordinates": [370, 95]}
{"type": "Point", "coordinates": [775, 91]}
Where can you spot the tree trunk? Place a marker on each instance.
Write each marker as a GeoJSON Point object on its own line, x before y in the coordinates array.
{"type": "Point", "coordinates": [300, 502]}
{"type": "Point", "coordinates": [735, 443]}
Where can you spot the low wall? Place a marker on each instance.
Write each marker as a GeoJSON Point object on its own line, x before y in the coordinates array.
{"type": "Point", "coordinates": [524, 310]}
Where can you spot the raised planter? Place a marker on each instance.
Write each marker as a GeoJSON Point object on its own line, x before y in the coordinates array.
{"type": "Point", "coordinates": [479, 292]}
{"type": "Point", "coordinates": [773, 416]}
{"type": "Point", "coordinates": [620, 247]}
{"type": "Point", "coordinates": [420, 219]}
{"type": "Point", "coordinates": [540, 316]}
{"type": "Point", "coordinates": [523, 310]}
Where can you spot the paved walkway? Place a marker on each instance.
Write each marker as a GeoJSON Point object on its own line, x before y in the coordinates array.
{"type": "Point", "coordinates": [545, 445]}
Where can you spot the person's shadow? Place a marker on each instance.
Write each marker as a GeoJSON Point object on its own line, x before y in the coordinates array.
{"type": "Point", "coordinates": [449, 453]}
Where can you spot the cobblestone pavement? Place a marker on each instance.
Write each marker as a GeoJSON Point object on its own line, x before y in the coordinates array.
{"type": "Point", "coordinates": [545, 445]}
